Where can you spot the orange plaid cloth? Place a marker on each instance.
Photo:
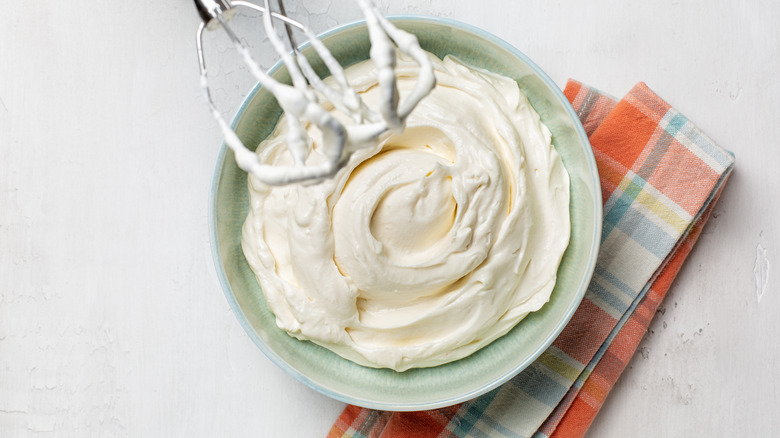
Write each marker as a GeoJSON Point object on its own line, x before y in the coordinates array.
{"type": "Point", "coordinates": [660, 179]}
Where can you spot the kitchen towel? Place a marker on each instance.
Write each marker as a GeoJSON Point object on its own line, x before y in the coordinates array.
{"type": "Point", "coordinates": [660, 178]}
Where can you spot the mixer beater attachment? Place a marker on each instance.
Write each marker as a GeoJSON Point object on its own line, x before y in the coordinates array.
{"type": "Point", "coordinates": [300, 101]}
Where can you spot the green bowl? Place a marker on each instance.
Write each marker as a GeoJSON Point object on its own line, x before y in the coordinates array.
{"type": "Point", "coordinates": [448, 384]}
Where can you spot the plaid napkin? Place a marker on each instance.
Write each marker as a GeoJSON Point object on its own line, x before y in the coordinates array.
{"type": "Point", "coordinates": [660, 178]}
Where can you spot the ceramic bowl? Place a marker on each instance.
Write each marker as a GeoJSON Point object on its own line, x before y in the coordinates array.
{"type": "Point", "coordinates": [458, 381]}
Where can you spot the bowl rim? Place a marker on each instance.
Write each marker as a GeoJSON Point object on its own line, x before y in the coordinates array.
{"type": "Point", "coordinates": [519, 367]}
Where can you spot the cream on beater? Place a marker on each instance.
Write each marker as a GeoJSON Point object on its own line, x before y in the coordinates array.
{"type": "Point", "coordinates": [301, 105]}
{"type": "Point", "coordinates": [427, 245]}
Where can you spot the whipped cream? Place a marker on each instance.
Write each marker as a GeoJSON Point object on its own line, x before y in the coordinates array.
{"type": "Point", "coordinates": [426, 246]}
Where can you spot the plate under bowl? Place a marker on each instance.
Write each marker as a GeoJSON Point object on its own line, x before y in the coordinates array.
{"type": "Point", "coordinates": [451, 383]}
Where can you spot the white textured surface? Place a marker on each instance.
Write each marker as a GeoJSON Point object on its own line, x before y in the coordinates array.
{"type": "Point", "coordinates": [112, 322]}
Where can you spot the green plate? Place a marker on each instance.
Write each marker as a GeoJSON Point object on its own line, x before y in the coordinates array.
{"type": "Point", "coordinates": [457, 381]}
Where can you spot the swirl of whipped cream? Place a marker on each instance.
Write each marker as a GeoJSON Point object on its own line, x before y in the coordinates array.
{"type": "Point", "coordinates": [427, 246]}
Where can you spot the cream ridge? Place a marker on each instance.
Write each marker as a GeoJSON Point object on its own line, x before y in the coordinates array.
{"type": "Point", "coordinates": [426, 246]}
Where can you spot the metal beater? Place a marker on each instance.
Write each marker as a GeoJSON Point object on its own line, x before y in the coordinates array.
{"type": "Point", "coordinates": [300, 101]}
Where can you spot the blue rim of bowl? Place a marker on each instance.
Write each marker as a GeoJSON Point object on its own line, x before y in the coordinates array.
{"type": "Point", "coordinates": [373, 404]}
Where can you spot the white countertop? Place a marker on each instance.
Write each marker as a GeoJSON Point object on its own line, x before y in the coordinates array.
{"type": "Point", "coordinates": [112, 322]}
